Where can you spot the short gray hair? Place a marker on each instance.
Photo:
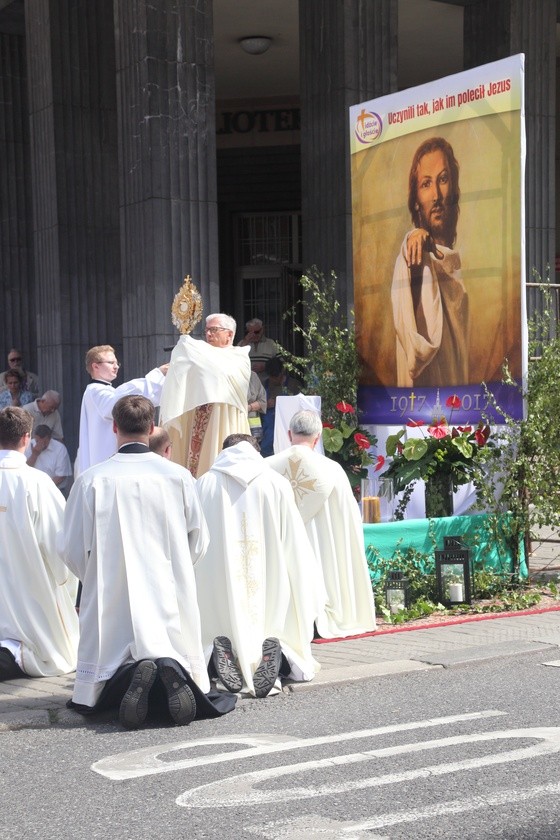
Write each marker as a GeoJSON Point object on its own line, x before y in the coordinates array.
{"type": "Point", "coordinates": [254, 322]}
{"type": "Point", "coordinates": [225, 321]}
{"type": "Point", "coordinates": [306, 423]}
{"type": "Point", "coordinates": [52, 396]}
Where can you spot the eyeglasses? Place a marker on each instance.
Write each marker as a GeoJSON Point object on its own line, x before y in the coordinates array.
{"type": "Point", "coordinates": [107, 362]}
{"type": "Point", "coordinates": [15, 359]}
{"type": "Point", "coordinates": [215, 329]}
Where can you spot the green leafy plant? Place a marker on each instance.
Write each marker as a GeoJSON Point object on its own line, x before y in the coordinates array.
{"type": "Point", "coordinates": [332, 370]}
{"type": "Point", "coordinates": [523, 478]}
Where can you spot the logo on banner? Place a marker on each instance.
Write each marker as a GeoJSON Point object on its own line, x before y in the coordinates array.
{"type": "Point", "coordinates": [369, 126]}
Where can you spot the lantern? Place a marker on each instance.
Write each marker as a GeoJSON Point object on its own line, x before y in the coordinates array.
{"type": "Point", "coordinates": [397, 595]}
{"type": "Point", "coordinates": [454, 574]}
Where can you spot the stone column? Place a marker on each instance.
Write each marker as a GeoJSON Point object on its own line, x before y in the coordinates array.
{"type": "Point", "coordinates": [17, 313]}
{"type": "Point", "coordinates": [71, 91]}
{"type": "Point", "coordinates": [348, 54]}
{"type": "Point", "coordinates": [495, 29]}
{"type": "Point", "coordinates": [167, 188]}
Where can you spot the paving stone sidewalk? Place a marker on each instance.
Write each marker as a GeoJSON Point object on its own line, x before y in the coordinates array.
{"type": "Point", "coordinates": [41, 703]}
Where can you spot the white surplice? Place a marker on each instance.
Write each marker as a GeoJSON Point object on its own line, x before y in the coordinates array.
{"type": "Point", "coordinates": [36, 606]}
{"type": "Point", "coordinates": [327, 505]}
{"type": "Point", "coordinates": [259, 577]}
{"type": "Point", "coordinates": [97, 439]}
{"type": "Point", "coordinates": [204, 400]}
{"type": "Point", "coordinates": [132, 531]}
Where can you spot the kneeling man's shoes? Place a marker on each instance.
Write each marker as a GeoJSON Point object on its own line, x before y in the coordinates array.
{"type": "Point", "coordinates": [226, 664]}
{"type": "Point", "coordinates": [180, 698]}
{"type": "Point", "coordinates": [269, 667]}
{"type": "Point", "coordinates": [134, 705]}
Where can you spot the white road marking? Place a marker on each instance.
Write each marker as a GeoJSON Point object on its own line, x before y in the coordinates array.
{"type": "Point", "coordinates": [147, 762]}
{"type": "Point", "coordinates": [241, 791]}
{"type": "Point", "coordinates": [304, 826]}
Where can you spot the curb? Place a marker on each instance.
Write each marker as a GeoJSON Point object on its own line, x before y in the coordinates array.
{"type": "Point", "coordinates": [462, 619]}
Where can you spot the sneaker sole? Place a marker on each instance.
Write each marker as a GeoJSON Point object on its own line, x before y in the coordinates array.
{"type": "Point", "coordinates": [225, 665]}
{"type": "Point", "coordinates": [267, 672]}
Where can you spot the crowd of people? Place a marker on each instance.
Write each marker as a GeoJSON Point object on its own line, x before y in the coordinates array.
{"type": "Point", "coordinates": [185, 568]}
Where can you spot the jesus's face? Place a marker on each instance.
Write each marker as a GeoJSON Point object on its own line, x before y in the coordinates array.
{"type": "Point", "coordinates": [433, 195]}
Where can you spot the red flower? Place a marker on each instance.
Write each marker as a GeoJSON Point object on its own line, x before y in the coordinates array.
{"type": "Point", "coordinates": [453, 401]}
{"type": "Point", "coordinates": [344, 408]}
{"type": "Point", "coordinates": [465, 430]}
{"type": "Point", "coordinates": [413, 424]}
{"type": "Point", "coordinates": [380, 463]}
{"type": "Point", "coordinates": [438, 431]}
{"type": "Point", "coordinates": [482, 434]}
{"type": "Point", "coordinates": [362, 442]}
{"type": "Point", "coordinates": [328, 426]}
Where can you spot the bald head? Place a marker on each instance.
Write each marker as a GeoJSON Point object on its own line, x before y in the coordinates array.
{"type": "Point", "coordinates": [160, 442]}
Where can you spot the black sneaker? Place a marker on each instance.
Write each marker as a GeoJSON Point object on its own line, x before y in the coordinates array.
{"type": "Point", "coordinates": [269, 667]}
{"type": "Point", "coordinates": [134, 705]}
{"type": "Point", "coordinates": [226, 665]}
{"type": "Point", "coordinates": [180, 698]}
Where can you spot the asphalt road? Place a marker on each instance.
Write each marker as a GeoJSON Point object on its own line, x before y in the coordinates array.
{"type": "Point", "coordinates": [467, 752]}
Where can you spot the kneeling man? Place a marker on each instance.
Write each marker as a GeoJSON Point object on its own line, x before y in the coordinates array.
{"type": "Point", "coordinates": [133, 529]}
{"type": "Point", "coordinates": [327, 505]}
{"type": "Point", "coordinates": [259, 586]}
{"type": "Point", "coordinates": [38, 622]}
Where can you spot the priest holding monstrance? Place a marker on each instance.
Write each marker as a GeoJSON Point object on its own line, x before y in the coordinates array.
{"type": "Point", "coordinates": [204, 397]}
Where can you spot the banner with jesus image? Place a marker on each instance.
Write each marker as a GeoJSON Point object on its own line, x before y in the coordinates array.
{"type": "Point", "coordinates": [438, 245]}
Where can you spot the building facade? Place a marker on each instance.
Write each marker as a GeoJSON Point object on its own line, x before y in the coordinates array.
{"type": "Point", "coordinates": [139, 143]}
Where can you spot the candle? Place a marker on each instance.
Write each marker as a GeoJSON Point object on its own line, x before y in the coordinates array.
{"type": "Point", "coordinates": [456, 592]}
{"type": "Point", "coordinates": [371, 509]}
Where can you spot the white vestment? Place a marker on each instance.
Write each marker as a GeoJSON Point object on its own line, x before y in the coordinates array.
{"type": "Point", "coordinates": [204, 400]}
{"type": "Point", "coordinates": [132, 531]}
{"type": "Point", "coordinates": [97, 439]}
{"type": "Point", "coordinates": [327, 505]}
{"type": "Point", "coordinates": [431, 320]}
{"type": "Point", "coordinates": [259, 577]}
{"type": "Point", "coordinates": [36, 606]}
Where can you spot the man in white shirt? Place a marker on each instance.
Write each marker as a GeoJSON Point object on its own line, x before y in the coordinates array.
{"type": "Point", "coordinates": [133, 530]}
{"type": "Point", "coordinates": [327, 505]}
{"type": "Point", "coordinates": [38, 622]}
{"type": "Point", "coordinates": [97, 439]}
{"type": "Point", "coordinates": [44, 411]}
{"type": "Point", "coordinates": [50, 456]}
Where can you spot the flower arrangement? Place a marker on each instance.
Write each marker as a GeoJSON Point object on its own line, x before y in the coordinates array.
{"type": "Point", "coordinates": [348, 443]}
{"type": "Point", "coordinates": [445, 453]}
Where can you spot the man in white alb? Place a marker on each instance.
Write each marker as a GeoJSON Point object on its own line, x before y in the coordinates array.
{"type": "Point", "coordinates": [38, 622]}
{"type": "Point", "coordinates": [133, 530]}
{"type": "Point", "coordinates": [97, 439]}
{"type": "Point", "coordinates": [205, 394]}
{"type": "Point", "coordinates": [332, 519]}
{"type": "Point", "coordinates": [259, 586]}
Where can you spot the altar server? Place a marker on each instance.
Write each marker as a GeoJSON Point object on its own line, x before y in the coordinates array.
{"type": "Point", "coordinates": [259, 586]}
{"type": "Point", "coordinates": [97, 440]}
{"type": "Point", "coordinates": [38, 622]}
{"type": "Point", "coordinates": [133, 529]}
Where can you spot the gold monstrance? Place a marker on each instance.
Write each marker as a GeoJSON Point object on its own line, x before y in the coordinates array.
{"type": "Point", "coordinates": [186, 311]}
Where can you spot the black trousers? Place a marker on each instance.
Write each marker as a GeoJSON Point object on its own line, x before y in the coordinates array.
{"type": "Point", "coordinates": [213, 704]}
{"type": "Point", "coordinates": [9, 669]}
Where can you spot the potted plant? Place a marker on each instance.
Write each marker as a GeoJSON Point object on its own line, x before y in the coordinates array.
{"type": "Point", "coordinates": [444, 457]}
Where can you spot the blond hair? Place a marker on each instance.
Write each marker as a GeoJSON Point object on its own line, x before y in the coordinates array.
{"type": "Point", "coordinates": [94, 355]}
